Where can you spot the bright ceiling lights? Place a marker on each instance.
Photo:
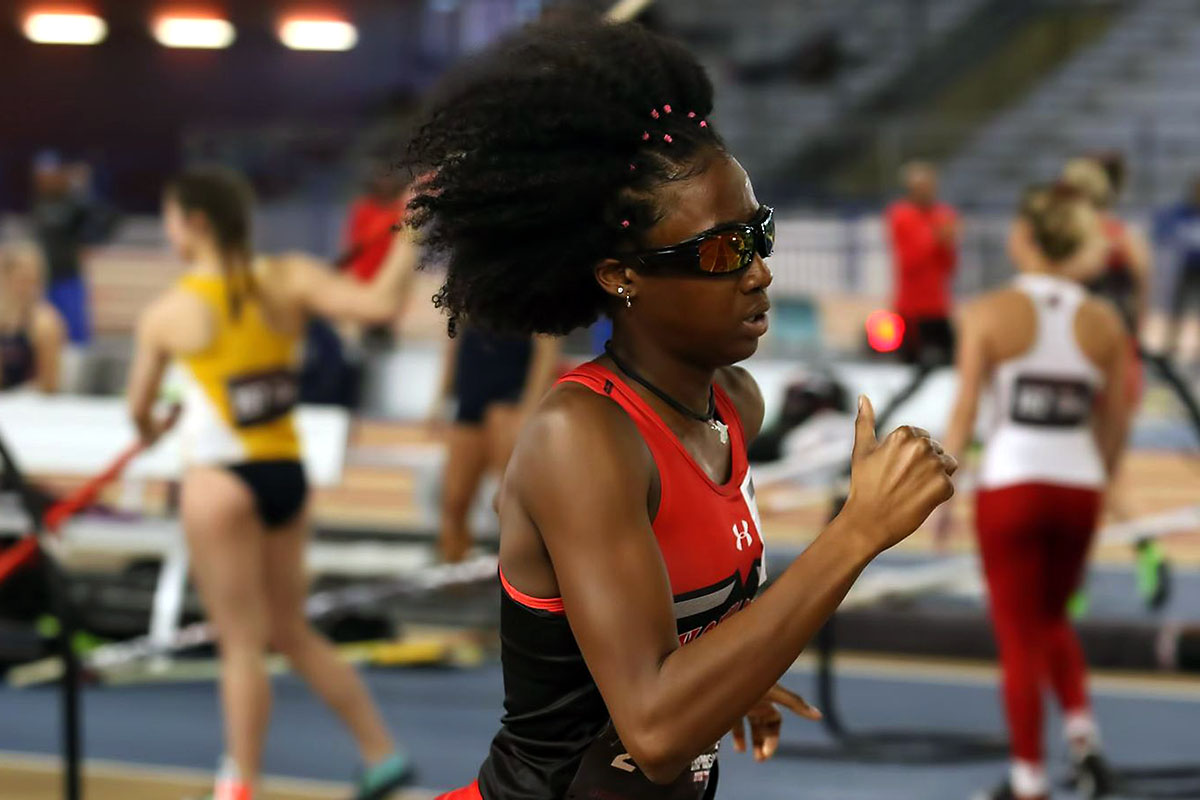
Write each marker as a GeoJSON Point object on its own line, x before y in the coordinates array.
{"type": "Point", "coordinates": [51, 28]}
{"type": "Point", "coordinates": [318, 34]}
{"type": "Point", "coordinates": [197, 32]}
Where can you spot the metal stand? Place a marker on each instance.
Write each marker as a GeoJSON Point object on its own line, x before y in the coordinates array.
{"type": "Point", "coordinates": [926, 746]}
{"type": "Point", "coordinates": [72, 677]}
{"type": "Point", "coordinates": [1166, 781]}
{"type": "Point", "coordinates": [1178, 385]}
{"type": "Point", "coordinates": [890, 746]}
{"type": "Point", "coordinates": [60, 604]}
{"type": "Point", "coordinates": [883, 746]}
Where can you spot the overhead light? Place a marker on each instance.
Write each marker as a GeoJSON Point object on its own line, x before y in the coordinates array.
{"type": "Point", "coordinates": [318, 34]}
{"type": "Point", "coordinates": [198, 32]}
{"type": "Point", "coordinates": [53, 28]}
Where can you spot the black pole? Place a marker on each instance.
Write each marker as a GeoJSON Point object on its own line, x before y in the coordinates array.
{"type": "Point", "coordinates": [826, 691]}
{"type": "Point", "coordinates": [921, 373]}
{"type": "Point", "coordinates": [34, 504]}
{"type": "Point", "coordinates": [1168, 373]}
{"type": "Point", "coordinates": [826, 647]}
{"type": "Point", "coordinates": [69, 683]}
{"type": "Point", "coordinates": [826, 639]}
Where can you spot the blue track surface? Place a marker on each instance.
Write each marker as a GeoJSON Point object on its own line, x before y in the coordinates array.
{"type": "Point", "coordinates": [446, 718]}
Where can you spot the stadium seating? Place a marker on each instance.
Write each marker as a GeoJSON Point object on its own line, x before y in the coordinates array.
{"type": "Point", "coordinates": [1134, 90]}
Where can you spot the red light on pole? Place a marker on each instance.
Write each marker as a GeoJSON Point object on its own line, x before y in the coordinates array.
{"type": "Point", "coordinates": [885, 331]}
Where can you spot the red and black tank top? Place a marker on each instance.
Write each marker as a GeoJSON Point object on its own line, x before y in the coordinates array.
{"type": "Point", "coordinates": [556, 740]}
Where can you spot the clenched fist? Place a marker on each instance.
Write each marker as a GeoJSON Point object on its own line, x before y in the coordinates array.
{"type": "Point", "coordinates": [894, 484]}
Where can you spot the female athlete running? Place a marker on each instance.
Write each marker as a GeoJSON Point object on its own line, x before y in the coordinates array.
{"type": "Point", "coordinates": [1044, 351]}
{"type": "Point", "coordinates": [233, 324]}
{"type": "Point", "coordinates": [575, 172]}
{"type": "Point", "coordinates": [495, 381]}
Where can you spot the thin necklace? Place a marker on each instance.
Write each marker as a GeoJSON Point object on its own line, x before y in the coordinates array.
{"type": "Point", "coordinates": [709, 417]}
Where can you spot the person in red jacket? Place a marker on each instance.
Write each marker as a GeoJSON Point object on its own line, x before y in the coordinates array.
{"type": "Point", "coordinates": [924, 237]}
{"type": "Point", "coordinates": [370, 225]}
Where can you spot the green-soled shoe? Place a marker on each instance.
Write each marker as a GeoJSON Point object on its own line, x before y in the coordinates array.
{"type": "Point", "coordinates": [379, 781]}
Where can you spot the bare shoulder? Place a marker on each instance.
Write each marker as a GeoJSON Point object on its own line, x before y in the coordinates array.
{"type": "Point", "coordinates": [575, 429]}
{"type": "Point", "coordinates": [1100, 316]}
{"type": "Point", "coordinates": [997, 325]}
{"type": "Point", "coordinates": [284, 272]}
{"type": "Point", "coordinates": [743, 390]}
{"type": "Point", "coordinates": [977, 313]}
{"type": "Point", "coordinates": [177, 321]}
{"type": "Point", "coordinates": [48, 324]}
{"type": "Point", "coordinates": [171, 302]}
{"type": "Point", "coordinates": [289, 264]}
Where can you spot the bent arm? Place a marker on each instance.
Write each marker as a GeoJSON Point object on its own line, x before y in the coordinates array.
{"type": "Point", "coordinates": [1141, 262]}
{"type": "Point", "coordinates": [668, 703]}
{"type": "Point", "coordinates": [971, 364]}
{"type": "Point", "coordinates": [340, 298]}
{"type": "Point", "coordinates": [150, 360]}
{"type": "Point", "coordinates": [1113, 419]}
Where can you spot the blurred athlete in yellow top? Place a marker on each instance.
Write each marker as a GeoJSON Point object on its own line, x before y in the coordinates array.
{"type": "Point", "coordinates": [234, 324]}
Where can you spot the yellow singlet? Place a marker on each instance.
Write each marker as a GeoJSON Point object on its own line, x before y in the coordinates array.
{"type": "Point", "coordinates": [240, 392]}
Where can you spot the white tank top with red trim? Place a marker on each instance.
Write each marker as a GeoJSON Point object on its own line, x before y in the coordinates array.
{"type": "Point", "coordinates": [1043, 400]}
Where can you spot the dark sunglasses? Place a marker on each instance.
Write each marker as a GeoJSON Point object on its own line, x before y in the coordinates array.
{"type": "Point", "coordinates": [721, 250]}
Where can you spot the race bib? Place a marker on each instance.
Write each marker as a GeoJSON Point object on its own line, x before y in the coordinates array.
{"type": "Point", "coordinates": [608, 772]}
{"type": "Point", "coordinates": [262, 397]}
{"type": "Point", "coordinates": [1051, 402]}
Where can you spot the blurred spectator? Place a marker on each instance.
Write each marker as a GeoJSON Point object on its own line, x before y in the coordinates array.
{"type": "Point", "coordinates": [66, 218]}
{"type": "Point", "coordinates": [924, 236]}
{"type": "Point", "coordinates": [1177, 295]}
{"type": "Point", "coordinates": [372, 218]}
{"type": "Point", "coordinates": [1122, 276]}
{"type": "Point", "coordinates": [31, 331]}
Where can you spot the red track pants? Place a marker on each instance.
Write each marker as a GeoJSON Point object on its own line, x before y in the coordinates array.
{"type": "Point", "coordinates": [1034, 541]}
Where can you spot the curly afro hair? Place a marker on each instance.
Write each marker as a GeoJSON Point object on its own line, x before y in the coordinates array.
{"type": "Point", "coordinates": [541, 159]}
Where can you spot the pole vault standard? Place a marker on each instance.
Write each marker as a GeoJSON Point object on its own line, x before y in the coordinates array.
{"type": "Point", "coordinates": [33, 547]}
{"type": "Point", "coordinates": [47, 517]}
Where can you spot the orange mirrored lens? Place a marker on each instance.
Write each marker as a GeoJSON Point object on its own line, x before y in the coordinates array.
{"type": "Point", "coordinates": [726, 252]}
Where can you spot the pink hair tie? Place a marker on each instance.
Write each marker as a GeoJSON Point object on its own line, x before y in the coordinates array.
{"type": "Point", "coordinates": [632, 167]}
{"type": "Point", "coordinates": [691, 115]}
{"type": "Point", "coordinates": [667, 138]}
{"type": "Point", "coordinates": [667, 109]}
{"type": "Point", "coordinates": [654, 113]}
{"type": "Point", "coordinates": [645, 136]}
{"type": "Point", "coordinates": [624, 223]}
{"type": "Point", "coordinates": [703, 124]}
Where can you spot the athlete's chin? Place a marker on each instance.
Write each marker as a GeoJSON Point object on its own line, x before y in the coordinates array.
{"type": "Point", "coordinates": [740, 349]}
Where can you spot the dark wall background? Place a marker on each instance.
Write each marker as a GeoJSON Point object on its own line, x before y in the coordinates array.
{"type": "Point", "coordinates": [128, 104]}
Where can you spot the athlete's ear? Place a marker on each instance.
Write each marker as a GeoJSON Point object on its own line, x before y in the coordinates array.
{"type": "Point", "coordinates": [617, 280]}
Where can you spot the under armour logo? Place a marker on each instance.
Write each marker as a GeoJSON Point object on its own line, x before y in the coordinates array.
{"type": "Point", "coordinates": [742, 535]}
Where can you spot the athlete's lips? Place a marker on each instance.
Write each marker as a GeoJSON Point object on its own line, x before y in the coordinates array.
{"type": "Point", "coordinates": [756, 321]}
{"type": "Point", "coordinates": [759, 310]}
